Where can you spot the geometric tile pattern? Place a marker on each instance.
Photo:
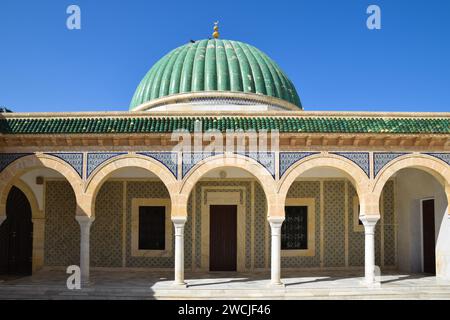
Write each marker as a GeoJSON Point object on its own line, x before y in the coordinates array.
{"type": "Point", "coordinates": [260, 226]}
{"type": "Point", "coordinates": [62, 231]}
{"type": "Point", "coordinates": [443, 156]}
{"type": "Point", "coordinates": [106, 230]}
{"type": "Point", "coordinates": [75, 160]}
{"type": "Point", "coordinates": [378, 244]}
{"type": "Point", "coordinates": [248, 225]}
{"type": "Point", "coordinates": [266, 159]}
{"type": "Point", "coordinates": [7, 158]}
{"type": "Point", "coordinates": [380, 159]}
{"type": "Point", "coordinates": [359, 158]}
{"type": "Point", "coordinates": [188, 236]}
{"type": "Point", "coordinates": [94, 159]}
{"type": "Point", "coordinates": [287, 159]}
{"type": "Point", "coordinates": [334, 232]}
{"type": "Point", "coordinates": [389, 223]}
{"type": "Point", "coordinates": [197, 227]}
{"type": "Point", "coordinates": [190, 159]}
{"type": "Point", "coordinates": [168, 159]}
{"type": "Point", "coordinates": [355, 239]}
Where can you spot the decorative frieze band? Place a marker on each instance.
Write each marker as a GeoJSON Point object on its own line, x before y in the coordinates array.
{"type": "Point", "coordinates": [75, 160]}
{"type": "Point", "coordinates": [168, 159]}
{"type": "Point", "coordinates": [7, 158]}
{"type": "Point", "coordinates": [362, 159]}
{"type": "Point", "coordinates": [380, 159]}
{"type": "Point", "coordinates": [287, 159]}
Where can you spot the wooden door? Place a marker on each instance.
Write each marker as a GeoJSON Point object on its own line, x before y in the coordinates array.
{"type": "Point", "coordinates": [223, 238]}
{"type": "Point", "coordinates": [16, 246]}
{"type": "Point", "coordinates": [428, 232]}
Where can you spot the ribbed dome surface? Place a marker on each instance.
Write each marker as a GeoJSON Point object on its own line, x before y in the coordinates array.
{"type": "Point", "coordinates": [215, 65]}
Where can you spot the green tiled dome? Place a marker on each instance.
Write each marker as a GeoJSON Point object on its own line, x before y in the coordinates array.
{"type": "Point", "coordinates": [215, 65]}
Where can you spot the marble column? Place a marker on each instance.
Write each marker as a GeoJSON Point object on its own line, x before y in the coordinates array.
{"type": "Point", "coordinates": [275, 261]}
{"type": "Point", "coordinates": [179, 223]}
{"type": "Point", "coordinates": [85, 229]}
{"type": "Point", "coordinates": [369, 222]}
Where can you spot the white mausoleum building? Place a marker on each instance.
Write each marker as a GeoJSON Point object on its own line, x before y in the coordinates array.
{"type": "Point", "coordinates": [333, 190]}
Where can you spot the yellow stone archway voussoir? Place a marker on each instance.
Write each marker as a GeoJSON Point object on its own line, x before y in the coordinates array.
{"type": "Point", "coordinates": [353, 172]}
{"type": "Point", "coordinates": [432, 165]}
{"type": "Point", "coordinates": [36, 213]}
{"type": "Point", "coordinates": [35, 161]}
{"type": "Point", "coordinates": [102, 173]}
{"type": "Point", "coordinates": [247, 164]}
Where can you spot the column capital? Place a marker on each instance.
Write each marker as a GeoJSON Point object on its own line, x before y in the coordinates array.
{"type": "Point", "coordinates": [369, 220]}
{"type": "Point", "coordinates": [84, 220]}
{"type": "Point", "coordinates": [275, 221]}
{"type": "Point", "coordinates": [179, 221]}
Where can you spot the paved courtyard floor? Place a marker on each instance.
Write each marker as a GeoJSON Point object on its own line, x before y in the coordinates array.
{"type": "Point", "coordinates": [124, 284]}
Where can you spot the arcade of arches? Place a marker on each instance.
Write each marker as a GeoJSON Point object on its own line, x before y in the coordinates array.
{"type": "Point", "coordinates": [319, 212]}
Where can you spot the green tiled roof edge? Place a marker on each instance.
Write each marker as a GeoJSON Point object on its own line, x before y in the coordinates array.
{"type": "Point", "coordinates": [151, 124]}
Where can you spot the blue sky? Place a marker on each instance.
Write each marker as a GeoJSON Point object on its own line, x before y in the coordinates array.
{"type": "Point", "coordinates": [324, 46]}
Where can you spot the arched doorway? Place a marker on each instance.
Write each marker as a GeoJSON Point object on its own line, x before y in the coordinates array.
{"type": "Point", "coordinates": [421, 213]}
{"type": "Point", "coordinates": [16, 243]}
{"type": "Point", "coordinates": [420, 217]}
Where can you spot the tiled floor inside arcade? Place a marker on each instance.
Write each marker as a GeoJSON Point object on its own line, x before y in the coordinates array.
{"type": "Point", "coordinates": [51, 284]}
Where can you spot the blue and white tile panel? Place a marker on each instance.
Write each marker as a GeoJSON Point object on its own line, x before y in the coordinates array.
{"type": "Point", "coordinates": [362, 159]}
{"type": "Point", "coordinates": [7, 158]}
{"type": "Point", "coordinates": [190, 159]}
{"type": "Point", "coordinates": [442, 156]}
{"type": "Point", "coordinates": [380, 159]}
{"type": "Point", "coordinates": [95, 159]}
{"type": "Point", "coordinates": [266, 159]}
{"type": "Point", "coordinates": [74, 159]}
{"type": "Point", "coordinates": [287, 159]}
{"type": "Point", "coordinates": [168, 159]}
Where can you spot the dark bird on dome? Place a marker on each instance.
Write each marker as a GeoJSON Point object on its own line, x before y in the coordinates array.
{"type": "Point", "coordinates": [192, 41]}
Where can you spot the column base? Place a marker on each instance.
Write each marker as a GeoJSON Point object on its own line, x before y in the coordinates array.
{"type": "Point", "coordinates": [180, 285]}
{"type": "Point", "coordinates": [370, 285]}
{"type": "Point", "coordinates": [276, 285]}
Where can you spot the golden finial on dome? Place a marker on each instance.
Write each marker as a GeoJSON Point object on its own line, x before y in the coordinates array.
{"type": "Point", "coordinates": [216, 30]}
